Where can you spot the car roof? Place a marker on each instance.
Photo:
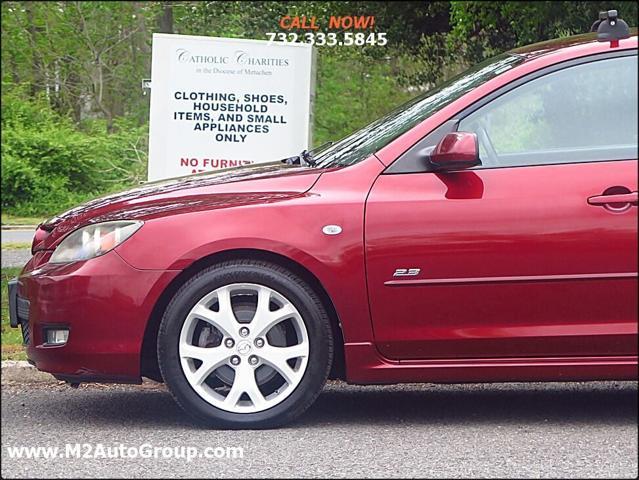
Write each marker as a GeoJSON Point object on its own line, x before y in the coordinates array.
{"type": "Point", "coordinates": [585, 44]}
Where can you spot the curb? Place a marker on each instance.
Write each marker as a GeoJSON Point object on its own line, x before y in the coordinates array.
{"type": "Point", "coordinates": [23, 372]}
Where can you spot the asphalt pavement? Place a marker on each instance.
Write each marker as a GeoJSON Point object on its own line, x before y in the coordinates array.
{"type": "Point", "coordinates": [576, 430]}
{"type": "Point", "coordinates": [16, 257]}
{"type": "Point", "coordinates": [17, 235]}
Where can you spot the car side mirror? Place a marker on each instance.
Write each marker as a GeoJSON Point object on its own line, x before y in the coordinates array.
{"type": "Point", "coordinates": [456, 151]}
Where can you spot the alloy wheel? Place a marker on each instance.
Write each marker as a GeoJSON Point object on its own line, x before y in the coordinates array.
{"type": "Point", "coordinates": [244, 348]}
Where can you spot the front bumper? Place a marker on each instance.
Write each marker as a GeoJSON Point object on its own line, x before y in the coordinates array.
{"type": "Point", "coordinates": [19, 311]}
{"type": "Point", "coordinates": [104, 303]}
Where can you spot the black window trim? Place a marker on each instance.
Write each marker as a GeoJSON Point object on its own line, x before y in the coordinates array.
{"type": "Point", "coordinates": [409, 161]}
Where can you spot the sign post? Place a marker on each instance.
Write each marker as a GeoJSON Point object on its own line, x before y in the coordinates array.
{"type": "Point", "coordinates": [221, 102]}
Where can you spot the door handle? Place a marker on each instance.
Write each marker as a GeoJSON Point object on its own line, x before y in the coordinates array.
{"type": "Point", "coordinates": [631, 197]}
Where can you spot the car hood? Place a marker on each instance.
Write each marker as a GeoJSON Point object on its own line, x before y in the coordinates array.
{"type": "Point", "coordinates": [253, 184]}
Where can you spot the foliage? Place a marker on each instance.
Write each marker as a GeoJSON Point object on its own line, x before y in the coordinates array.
{"type": "Point", "coordinates": [16, 245]}
{"type": "Point", "coordinates": [15, 220]}
{"type": "Point", "coordinates": [48, 164]}
{"type": "Point", "coordinates": [83, 55]}
{"type": "Point", "coordinates": [404, 22]}
{"type": "Point", "coordinates": [353, 97]}
{"type": "Point", "coordinates": [482, 29]}
{"type": "Point", "coordinates": [75, 122]}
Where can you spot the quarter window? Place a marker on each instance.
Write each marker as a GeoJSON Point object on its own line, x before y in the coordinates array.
{"type": "Point", "coordinates": [583, 113]}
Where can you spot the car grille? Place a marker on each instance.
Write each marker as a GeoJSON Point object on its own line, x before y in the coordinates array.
{"type": "Point", "coordinates": [23, 306]}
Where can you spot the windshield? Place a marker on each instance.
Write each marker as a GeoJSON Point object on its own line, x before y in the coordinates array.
{"type": "Point", "coordinates": [363, 143]}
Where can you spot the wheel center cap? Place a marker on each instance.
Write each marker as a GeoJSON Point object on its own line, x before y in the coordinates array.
{"type": "Point", "coordinates": [244, 347]}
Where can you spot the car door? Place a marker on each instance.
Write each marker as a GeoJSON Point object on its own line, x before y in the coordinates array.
{"type": "Point", "coordinates": [532, 254]}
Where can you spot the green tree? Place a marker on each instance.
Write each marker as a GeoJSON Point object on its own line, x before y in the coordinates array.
{"type": "Point", "coordinates": [482, 29]}
{"type": "Point", "coordinates": [75, 121]}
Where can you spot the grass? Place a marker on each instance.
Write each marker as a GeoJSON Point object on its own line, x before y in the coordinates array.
{"type": "Point", "coordinates": [16, 245]}
{"type": "Point", "coordinates": [14, 220]}
{"type": "Point", "coordinates": [12, 348]}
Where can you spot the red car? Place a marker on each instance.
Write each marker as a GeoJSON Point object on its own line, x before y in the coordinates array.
{"type": "Point", "coordinates": [485, 231]}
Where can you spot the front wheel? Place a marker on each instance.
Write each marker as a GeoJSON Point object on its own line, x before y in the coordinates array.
{"type": "Point", "coordinates": [245, 344]}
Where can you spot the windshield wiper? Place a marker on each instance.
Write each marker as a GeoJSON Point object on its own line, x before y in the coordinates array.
{"type": "Point", "coordinates": [306, 157]}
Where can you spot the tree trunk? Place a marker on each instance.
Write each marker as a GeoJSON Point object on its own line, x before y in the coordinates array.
{"type": "Point", "coordinates": [165, 24]}
{"type": "Point", "coordinates": [37, 82]}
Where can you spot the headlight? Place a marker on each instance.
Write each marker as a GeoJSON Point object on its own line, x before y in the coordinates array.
{"type": "Point", "coordinates": [93, 240]}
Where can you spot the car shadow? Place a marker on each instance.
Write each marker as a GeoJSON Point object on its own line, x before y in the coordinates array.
{"type": "Point", "coordinates": [606, 403]}
{"type": "Point", "coordinates": [521, 403]}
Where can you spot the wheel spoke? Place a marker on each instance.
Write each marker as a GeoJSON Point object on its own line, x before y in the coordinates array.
{"type": "Point", "coordinates": [263, 320]}
{"type": "Point", "coordinates": [263, 301]}
{"type": "Point", "coordinates": [211, 359]}
{"type": "Point", "coordinates": [224, 300]}
{"type": "Point", "coordinates": [191, 351]}
{"type": "Point", "coordinates": [244, 382]}
{"type": "Point", "coordinates": [252, 389]}
{"type": "Point", "coordinates": [277, 357]}
{"type": "Point", "coordinates": [202, 373]}
{"type": "Point", "coordinates": [224, 320]}
{"type": "Point", "coordinates": [234, 394]}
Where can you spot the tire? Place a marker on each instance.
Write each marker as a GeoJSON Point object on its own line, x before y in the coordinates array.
{"type": "Point", "coordinates": [197, 332]}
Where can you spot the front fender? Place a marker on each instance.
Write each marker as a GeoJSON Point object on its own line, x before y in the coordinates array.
{"type": "Point", "coordinates": [291, 227]}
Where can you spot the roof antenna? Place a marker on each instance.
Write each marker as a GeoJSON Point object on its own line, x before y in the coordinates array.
{"type": "Point", "coordinates": [612, 29]}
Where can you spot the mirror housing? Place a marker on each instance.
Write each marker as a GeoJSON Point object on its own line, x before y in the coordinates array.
{"type": "Point", "coordinates": [456, 151]}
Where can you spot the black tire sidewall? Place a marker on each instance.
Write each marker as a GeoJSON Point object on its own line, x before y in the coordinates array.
{"type": "Point", "coordinates": [283, 282]}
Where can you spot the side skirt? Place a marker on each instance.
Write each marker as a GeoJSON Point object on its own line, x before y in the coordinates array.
{"type": "Point", "coordinates": [365, 365]}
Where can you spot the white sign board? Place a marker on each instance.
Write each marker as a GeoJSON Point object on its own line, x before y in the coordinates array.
{"type": "Point", "coordinates": [222, 102]}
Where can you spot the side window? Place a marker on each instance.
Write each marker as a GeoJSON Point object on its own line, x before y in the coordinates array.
{"type": "Point", "coordinates": [584, 113]}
